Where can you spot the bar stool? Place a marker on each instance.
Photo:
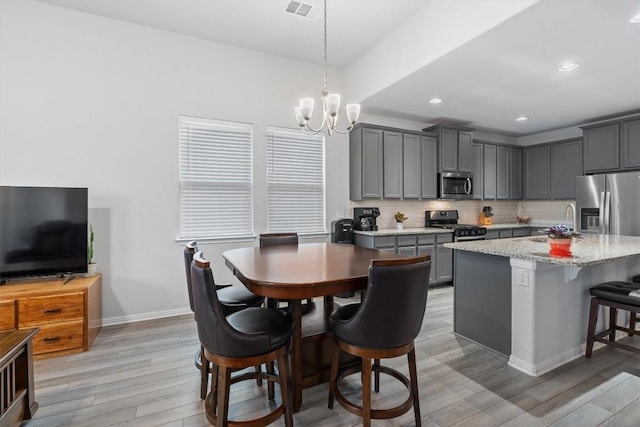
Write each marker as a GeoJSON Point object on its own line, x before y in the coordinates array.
{"type": "Point", "coordinates": [240, 340]}
{"type": "Point", "coordinates": [383, 326]}
{"type": "Point", "coordinates": [616, 296]}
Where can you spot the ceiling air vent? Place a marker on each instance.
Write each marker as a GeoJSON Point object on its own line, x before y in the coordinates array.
{"type": "Point", "coordinates": [308, 10]}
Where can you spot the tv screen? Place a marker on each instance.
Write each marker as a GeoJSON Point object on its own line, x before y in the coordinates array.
{"type": "Point", "coordinates": [43, 231]}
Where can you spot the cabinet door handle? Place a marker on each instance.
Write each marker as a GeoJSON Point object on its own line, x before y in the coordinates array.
{"type": "Point", "coordinates": [51, 339]}
{"type": "Point", "coordinates": [52, 310]}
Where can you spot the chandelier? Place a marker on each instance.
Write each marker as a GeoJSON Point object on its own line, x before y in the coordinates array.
{"type": "Point", "coordinates": [330, 103]}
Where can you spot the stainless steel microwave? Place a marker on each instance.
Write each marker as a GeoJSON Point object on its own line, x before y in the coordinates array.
{"type": "Point", "coordinates": [455, 185]}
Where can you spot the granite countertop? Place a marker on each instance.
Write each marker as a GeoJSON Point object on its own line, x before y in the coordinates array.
{"type": "Point", "coordinates": [396, 232]}
{"type": "Point", "coordinates": [507, 225]}
{"type": "Point", "coordinates": [588, 249]}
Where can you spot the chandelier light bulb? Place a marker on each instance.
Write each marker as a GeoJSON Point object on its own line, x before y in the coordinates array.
{"type": "Point", "coordinates": [333, 104]}
{"type": "Point", "coordinates": [353, 112]}
{"type": "Point", "coordinates": [306, 107]}
{"type": "Point", "coordinates": [299, 117]}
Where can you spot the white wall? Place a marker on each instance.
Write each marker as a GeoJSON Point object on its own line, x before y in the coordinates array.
{"type": "Point", "coordinates": [91, 101]}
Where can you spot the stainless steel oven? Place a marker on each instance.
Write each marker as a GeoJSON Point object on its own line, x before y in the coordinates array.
{"type": "Point", "coordinates": [455, 185]}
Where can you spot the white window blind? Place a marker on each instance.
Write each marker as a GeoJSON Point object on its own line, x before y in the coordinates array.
{"type": "Point", "coordinates": [295, 182]}
{"type": "Point", "coordinates": [215, 179]}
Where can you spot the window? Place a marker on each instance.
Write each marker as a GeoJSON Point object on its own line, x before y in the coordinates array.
{"type": "Point", "coordinates": [215, 179]}
{"type": "Point", "coordinates": [295, 182]}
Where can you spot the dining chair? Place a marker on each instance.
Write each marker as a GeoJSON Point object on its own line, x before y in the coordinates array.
{"type": "Point", "coordinates": [279, 239]}
{"type": "Point", "coordinates": [237, 341]}
{"type": "Point", "coordinates": [231, 298]}
{"type": "Point", "coordinates": [384, 325]}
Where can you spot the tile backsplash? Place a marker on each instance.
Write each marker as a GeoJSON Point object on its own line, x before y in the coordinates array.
{"type": "Point", "coordinates": [544, 213]}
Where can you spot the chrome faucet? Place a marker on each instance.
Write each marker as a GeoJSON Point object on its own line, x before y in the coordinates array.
{"type": "Point", "coordinates": [574, 218]}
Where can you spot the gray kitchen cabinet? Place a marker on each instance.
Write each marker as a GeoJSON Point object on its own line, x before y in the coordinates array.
{"type": "Point", "coordinates": [454, 146]}
{"type": "Point", "coordinates": [489, 172]}
{"type": "Point", "coordinates": [521, 232]}
{"type": "Point", "coordinates": [492, 234]}
{"type": "Point", "coordinates": [429, 156]}
{"type": "Point", "coordinates": [365, 163]}
{"type": "Point", "coordinates": [411, 166]}
{"type": "Point", "coordinates": [505, 234]}
{"type": "Point", "coordinates": [420, 244]}
{"type": "Point", "coordinates": [537, 172]}
{"type": "Point", "coordinates": [515, 173]}
{"type": "Point", "coordinates": [392, 165]}
{"type": "Point", "coordinates": [566, 164]}
{"type": "Point", "coordinates": [502, 173]}
{"type": "Point", "coordinates": [601, 147]}
{"type": "Point", "coordinates": [477, 160]}
{"type": "Point", "coordinates": [630, 144]}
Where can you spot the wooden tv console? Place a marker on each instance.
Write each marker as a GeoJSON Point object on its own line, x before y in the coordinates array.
{"type": "Point", "coordinates": [69, 314]}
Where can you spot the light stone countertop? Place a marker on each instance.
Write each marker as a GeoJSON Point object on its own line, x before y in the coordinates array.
{"type": "Point", "coordinates": [505, 226]}
{"type": "Point", "coordinates": [588, 249]}
{"type": "Point", "coordinates": [396, 232]}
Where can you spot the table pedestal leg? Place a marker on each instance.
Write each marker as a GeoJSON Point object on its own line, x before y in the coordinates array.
{"type": "Point", "coordinates": [296, 356]}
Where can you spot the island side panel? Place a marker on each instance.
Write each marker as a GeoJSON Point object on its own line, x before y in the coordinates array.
{"type": "Point", "coordinates": [482, 299]}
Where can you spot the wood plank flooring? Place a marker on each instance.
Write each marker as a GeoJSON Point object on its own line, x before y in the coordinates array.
{"type": "Point", "coordinates": [143, 374]}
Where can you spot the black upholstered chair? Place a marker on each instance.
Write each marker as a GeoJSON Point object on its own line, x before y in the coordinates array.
{"type": "Point", "coordinates": [383, 326]}
{"type": "Point", "coordinates": [231, 298]}
{"type": "Point", "coordinates": [278, 239]}
{"type": "Point", "coordinates": [636, 278]}
{"type": "Point", "coordinates": [240, 340]}
{"type": "Point", "coordinates": [616, 296]}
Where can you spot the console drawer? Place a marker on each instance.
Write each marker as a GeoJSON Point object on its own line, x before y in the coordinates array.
{"type": "Point", "coordinates": [58, 336]}
{"type": "Point", "coordinates": [37, 311]}
{"type": "Point", "coordinates": [8, 315]}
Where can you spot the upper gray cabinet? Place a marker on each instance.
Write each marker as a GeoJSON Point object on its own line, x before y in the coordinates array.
{"type": "Point", "coordinates": [429, 156]}
{"type": "Point", "coordinates": [392, 165]}
{"type": "Point", "coordinates": [515, 173]}
{"type": "Point", "coordinates": [455, 148]}
{"type": "Point", "coordinates": [601, 148]}
{"type": "Point", "coordinates": [537, 167]}
{"type": "Point", "coordinates": [477, 168]}
{"type": "Point", "coordinates": [365, 163]}
{"type": "Point", "coordinates": [631, 144]}
{"type": "Point", "coordinates": [502, 173]}
{"type": "Point", "coordinates": [566, 165]}
{"type": "Point", "coordinates": [489, 172]}
{"type": "Point", "coordinates": [411, 166]}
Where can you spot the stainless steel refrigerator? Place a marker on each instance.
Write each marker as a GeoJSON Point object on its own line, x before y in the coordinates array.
{"type": "Point", "coordinates": [609, 203]}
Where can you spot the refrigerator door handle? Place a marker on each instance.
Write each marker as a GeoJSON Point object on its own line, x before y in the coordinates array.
{"type": "Point", "coordinates": [607, 212]}
{"type": "Point", "coordinates": [601, 213]}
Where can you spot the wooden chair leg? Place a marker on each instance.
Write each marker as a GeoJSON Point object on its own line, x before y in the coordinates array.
{"type": "Point", "coordinates": [287, 400]}
{"type": "Point", "coordinates": [591, 330]}
{"type": "Point", "coordinates": [224, 380]}
{"type": "Point", "coordinates": [632, 324]}
{"type": "Point", "coordinates": [214, 387]}
{"type": "Point", "coordinates": [613, 317]}
{"type": "Point", "coordinates": [258, 380]}
{"type": "Point", "coordinates": [366, 392]}
{"type": "Point", "coordinates": [333, 380]}
{"type": "Point", "coordinates": [413, 377]}
{"type": "Point", "coordinates": [205, 368]}
{"type": "Point", "coordinates": [376, 375]}
{"type": "Point", "coordinates": [270, 386]}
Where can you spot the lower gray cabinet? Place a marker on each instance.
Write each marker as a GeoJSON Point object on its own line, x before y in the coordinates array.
{"type": "Point", "coordinates": [417, 244]}
{"type": "Point", "coordinates": [506, 233]}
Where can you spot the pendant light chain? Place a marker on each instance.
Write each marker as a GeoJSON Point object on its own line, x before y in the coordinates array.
{"type": "Point", "coordinates": [324, 89]}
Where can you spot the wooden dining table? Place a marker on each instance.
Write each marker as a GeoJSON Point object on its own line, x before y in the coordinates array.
{"type": "Point", "coordinates": [298, 272]}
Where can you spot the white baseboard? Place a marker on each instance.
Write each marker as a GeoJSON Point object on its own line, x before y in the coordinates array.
{"type": "Point", "coordinates": [110, 321]}
{"type": "Point", "coordinates": [548, 365]}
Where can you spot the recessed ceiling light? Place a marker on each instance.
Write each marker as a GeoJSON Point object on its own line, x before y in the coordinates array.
{"type": "Point", "coordinates": [522, 119]}
{"type": "Point", "coordinates": [568, 66]}
{"type": "Point", "coordinates": [435, 100]}
{"type": "Point", "coordinates": [635, 19]}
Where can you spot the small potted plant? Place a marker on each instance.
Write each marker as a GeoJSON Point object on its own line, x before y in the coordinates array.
{"type": "Point", "coordinates": [91, 264]}
{"type": "Point", "coordinates": [560, 240]}
{"type": "Point", "coordinates": [400, 218]}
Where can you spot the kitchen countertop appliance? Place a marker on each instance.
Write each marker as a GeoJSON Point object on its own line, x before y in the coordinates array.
{"type": "Point", "coordinates": [364, 219]}
{"type": "Point", "coordinates": [449, 219]}
{"type": "Point", "coordinates": [609, 203]}
{"type": "Point", "coordinates": [485, 216]}
{"type": "Point", "coordinates": [342, 230]}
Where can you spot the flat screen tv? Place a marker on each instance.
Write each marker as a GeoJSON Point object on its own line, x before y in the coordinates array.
{"type": "Point", "coordinates": [43, 231]}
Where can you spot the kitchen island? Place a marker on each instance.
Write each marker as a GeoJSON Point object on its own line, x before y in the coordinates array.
{"type": "Point", "coordinates": [511, 296]}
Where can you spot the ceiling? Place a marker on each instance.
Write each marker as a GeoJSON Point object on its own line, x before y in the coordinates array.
{"type": "Point", "coordinates": [508, 71]}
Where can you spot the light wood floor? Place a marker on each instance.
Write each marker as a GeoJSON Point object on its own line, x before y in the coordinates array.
{"type": "Point", "coordinates": [143, 375]}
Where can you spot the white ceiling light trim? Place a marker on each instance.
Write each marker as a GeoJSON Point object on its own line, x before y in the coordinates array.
{"type": "Point", "coordinates": [568, 66]}
{"type": "Point", "coordinates": [522, 119]}
{"type": "Point", "coordinates": [435, 100]}
{"type": "Point", "coordinates": [635, 19]}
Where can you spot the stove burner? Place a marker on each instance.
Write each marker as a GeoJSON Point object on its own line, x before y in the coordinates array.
{"type": "Point", "coordinates": [449, 220]}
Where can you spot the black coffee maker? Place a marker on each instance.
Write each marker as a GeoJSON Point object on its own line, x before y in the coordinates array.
{"type": "Point", "coordinates": [364, 219]}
